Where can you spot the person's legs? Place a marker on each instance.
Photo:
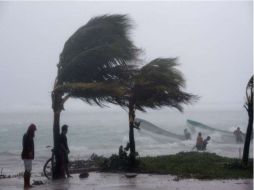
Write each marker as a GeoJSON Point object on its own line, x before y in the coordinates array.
{"type": "Point", "coordinates": [67, 166]}
{"type": "Point", "coordinates": [27, 173]}
{"type": "Point", "coordinates": [26, 179]}
{"type": "Point", "coordinates": [67, 170]}
{"type": "Point", "coordinates": [199, 147]}
{"type": "Point", "coordinates": [62, 166]}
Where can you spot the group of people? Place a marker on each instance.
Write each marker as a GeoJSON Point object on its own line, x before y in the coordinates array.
{"type": "Point", "coordinates": [27, 154]}
{"type": "Point", "coordinates": [123, 152]}
{"type": "Point", "coordinates": [202, 143]}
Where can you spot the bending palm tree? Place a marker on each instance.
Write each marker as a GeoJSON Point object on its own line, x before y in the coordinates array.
{"type": "Point", "coordinates": [92, 66]}
{"type": "Point", "coordinates": [157, 84]}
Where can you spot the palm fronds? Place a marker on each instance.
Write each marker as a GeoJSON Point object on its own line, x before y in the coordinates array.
{"type": "Point", "coordinates": [159, 84]}
{"type": "Point", "coordinates": [94, 50]}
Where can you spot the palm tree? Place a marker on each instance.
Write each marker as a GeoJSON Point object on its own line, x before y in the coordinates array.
{"type": "Point", "coordinates": [249, 107]}
{"type": "Point", "coordinates": [92, 65]}
{"type": "Point", "coordinates": [155, 85]}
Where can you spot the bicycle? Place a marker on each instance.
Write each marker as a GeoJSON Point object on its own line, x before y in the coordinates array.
{"type": "Point", "coordinates": [49, 165]}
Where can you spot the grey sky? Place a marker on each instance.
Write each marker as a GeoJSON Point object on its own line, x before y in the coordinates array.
{"type": "Point", "coordinates": [213, 41]}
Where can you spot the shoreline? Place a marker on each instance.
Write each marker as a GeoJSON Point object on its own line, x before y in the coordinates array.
{"type": "Point", "coordinates": [111, 181]}
{"type": "Point", "coordinates": [183, 165]}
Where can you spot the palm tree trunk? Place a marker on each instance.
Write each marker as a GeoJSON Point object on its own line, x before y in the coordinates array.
{"type": "Point", "coordinates": [56, 132]}
{"type": "Point", "coordinates": [56, 127]}
{"type": "Point", "coordinates": [131, 134]}
{"type": "Point", "coordinates": [246, 148]}
{"type": "Point", "coordinates": [57, 108]}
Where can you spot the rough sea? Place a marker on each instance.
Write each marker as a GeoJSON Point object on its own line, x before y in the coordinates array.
{"type": "Point", "coordinates": [103, 131]}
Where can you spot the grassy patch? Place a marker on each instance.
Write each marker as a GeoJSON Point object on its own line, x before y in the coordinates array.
{"type": "Point", "coordinates": [199, 165]}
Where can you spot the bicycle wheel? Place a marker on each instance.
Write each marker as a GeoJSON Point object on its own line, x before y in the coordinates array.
{"type": "Point", "coordinates": [47, 169]}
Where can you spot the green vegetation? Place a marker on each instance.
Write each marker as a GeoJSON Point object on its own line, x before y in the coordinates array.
{"type": "Point", "coordinates": [200, 165]}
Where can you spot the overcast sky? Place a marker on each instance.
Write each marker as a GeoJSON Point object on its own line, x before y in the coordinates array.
{"type": "Point", "coordinates": [212, 40]}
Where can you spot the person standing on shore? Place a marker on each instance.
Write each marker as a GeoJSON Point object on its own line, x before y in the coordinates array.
{"type": "Point", "coordinates": [27, 154]}
{"type": "Point", "coordinates": [64, 151]}
{"type": "Point", "coordinates": [239, 135]}
{"type": "Point", "coordinates": [199, 142]}
{"type": "Point", "coordinates": [205, 142]}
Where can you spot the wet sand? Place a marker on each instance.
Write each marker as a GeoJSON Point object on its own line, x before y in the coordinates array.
{"type": "Point", "coordinates": [111, 181]}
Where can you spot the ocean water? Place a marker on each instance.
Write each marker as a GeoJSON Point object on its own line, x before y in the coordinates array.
{"type": "Point", "coordinates": [103, 131]}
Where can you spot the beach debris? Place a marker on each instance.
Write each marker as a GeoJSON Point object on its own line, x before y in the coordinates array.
{"type": "Point", "coordinates": [37, 182]}
{"type": "Point", "coordinates": [83, 175]}
{"type": "Point", "coordinates": [177, 178]}
{"type": "Point", "coordinates": [130, 175]}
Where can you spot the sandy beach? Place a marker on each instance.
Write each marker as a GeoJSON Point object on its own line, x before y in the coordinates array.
{"type": "Point", "coordinates": [97, 181]}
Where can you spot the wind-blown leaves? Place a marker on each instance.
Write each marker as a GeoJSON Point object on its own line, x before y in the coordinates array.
{"type": "Point", "coordinates": [159, 84]}
{"type": "Point", "coordinates": [97, 54]}
{"type": "Point", "coordinates": [100, 53]}
{"type": "Point", "coordinates": [96, 48]}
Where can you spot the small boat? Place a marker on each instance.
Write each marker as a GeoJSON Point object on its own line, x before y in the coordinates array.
{"type": "Point", "coordinates": [148, 126]}
{"type": "Point", "coordinates": [203, 126]}
{"type": "Point", "coordinates": [130, 175]}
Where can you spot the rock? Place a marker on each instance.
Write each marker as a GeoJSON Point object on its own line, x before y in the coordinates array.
{"type": "Point", "coordinates": [130, 175]}
{"type": "Point", "coordinates": [37, 182]}
{"type": "Point", "coordinates": [84, 175]}
{"type": "Point", "coordinates": [177, 178]}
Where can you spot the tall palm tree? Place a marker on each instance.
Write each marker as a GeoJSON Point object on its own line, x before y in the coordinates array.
{"type": "Point", "coordinates": [249, 107]}
{"type": "Point", "coordinates": [155, 85]}
{"type": "Point", "coordinates": [92, 65]}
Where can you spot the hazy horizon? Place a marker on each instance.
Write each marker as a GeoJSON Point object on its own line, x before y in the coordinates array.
{"type": "Point", "coordinates": [212, 40]}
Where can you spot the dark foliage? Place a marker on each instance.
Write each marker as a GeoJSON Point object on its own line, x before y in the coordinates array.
{"type": "Point", "coordinates": [159, 84]}
{"type": "Point", "coordinates": [94, 51]}
{"type": "Point", "coordinates": [117, 163]}
{"type": "Point", "coordinates": [97, 54]}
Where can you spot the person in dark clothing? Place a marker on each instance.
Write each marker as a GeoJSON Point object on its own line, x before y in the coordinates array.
{"type": "Point", "coordinates": [205, 142]}
{"type": "Point", "coordinates": [127, 147]}
{"type": "Point", "coordinates": [137, 125]}
{"type": "Point", "coordinates": [64, 150]}
{"type": "Point", "coordinates": [199, 142]}
{"type": "Point", "coordinates": [27, 154]}
{"type": "Point", "coordinates": [239, 135]}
